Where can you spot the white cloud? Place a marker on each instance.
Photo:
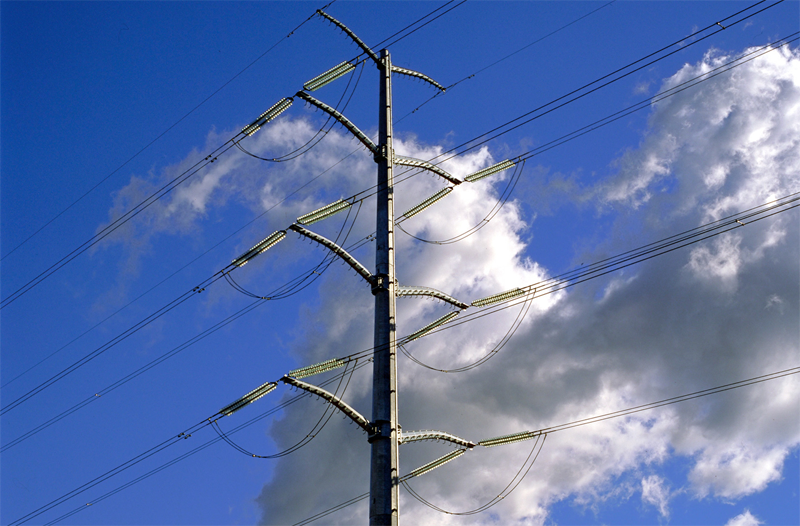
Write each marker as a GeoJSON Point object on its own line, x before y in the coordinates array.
{"type": "Point", "coordinates": [744, 519]}
{"type": "Point", "coordinates": [645, 335]}
{"type": "Point", "coordinates": [655, 491]}
{"type": "Point", "coordinates": [676, 324]}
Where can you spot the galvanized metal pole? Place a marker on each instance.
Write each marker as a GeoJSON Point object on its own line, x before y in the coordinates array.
{"type": "Point", "coordinates": [384, 475]}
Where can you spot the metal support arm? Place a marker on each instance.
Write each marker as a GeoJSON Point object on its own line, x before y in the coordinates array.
{"type": "Point", "coordinates": [336, 249]}
{"type": "Point", "coordinates": [334, 400]}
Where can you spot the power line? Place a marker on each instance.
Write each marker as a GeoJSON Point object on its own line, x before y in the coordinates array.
{"type": "Point", "coordinates": [156, 449]}
{"type": "Point", "coordinates": [681, 46]}
{"type": "Point", "coordinates": [472, 75]}
{"type": "Point", "coordinates": [608, 416]}
{"type": "Point", "coordinates": [282, 292]}
{"type": "Point", "coordinates": [143, 205]}
{"type": "Point", "coordinates": [120, 167]}
{"type": "Point", "coordinates": [529, 154]}
{"type": "Point", "coordinates": [505, 492]}
{"type": "Point", "coordinates": [659, 96]}
{"type": "Point", "coordinates": [549, 286]}
{"type": "Point", "coordinates": [544, 431]}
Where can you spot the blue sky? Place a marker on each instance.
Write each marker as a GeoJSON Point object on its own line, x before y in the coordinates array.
{"type": "Point", "coordinates": [102, 103]}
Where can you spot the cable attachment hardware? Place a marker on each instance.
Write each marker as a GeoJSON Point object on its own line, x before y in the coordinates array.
{"type": "Point", "coordinates": [380, 282]}
{"type": "Point", "coordinates": [381, 153]}
{"type": "Point", "coordinates": [381, 428]}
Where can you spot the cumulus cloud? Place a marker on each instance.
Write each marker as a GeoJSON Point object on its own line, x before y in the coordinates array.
{"type": "Point", "coordinates": [744, 519]}
{"type": "Point", "coordinates": [724, 310]}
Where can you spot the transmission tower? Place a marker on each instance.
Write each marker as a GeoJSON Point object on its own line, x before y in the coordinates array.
{"type": "Point", "coordinates": [383, 431]}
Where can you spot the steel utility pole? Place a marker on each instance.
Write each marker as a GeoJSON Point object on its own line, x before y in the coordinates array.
{"type": "Point", "coordinates": [384, 475]}
{"type": "Point", "coordinates": [383, 431]}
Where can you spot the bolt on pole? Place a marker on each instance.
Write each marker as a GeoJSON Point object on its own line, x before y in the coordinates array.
{"type": "Point", "coordinates": [384, 474]}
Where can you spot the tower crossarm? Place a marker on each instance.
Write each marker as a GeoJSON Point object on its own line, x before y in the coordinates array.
{"type": "Point", "coordinates": [417, 74]}
{"type": "Point", "coordinates": [425, 165]}
{"type": "Point", "coordinates": [334, 400]}
{"type": "Point", "coordinates": [352, 128]}
{"type": "Point", "coordinates": [416, 436]}
{"type": "Point", "coordinates": [336, 249]}
{"type": "Point", "coordinates": [352, 35]}
{"type": "Point", "coordinates": [426, 291]}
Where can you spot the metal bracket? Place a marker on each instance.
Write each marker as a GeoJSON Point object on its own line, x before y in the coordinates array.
{"type": "Point", "coordinates": [381, 153]}
{"type": "Point", "coordinates": [379, 430]}
{"type": "Point", "coordinates": [380, 282]}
